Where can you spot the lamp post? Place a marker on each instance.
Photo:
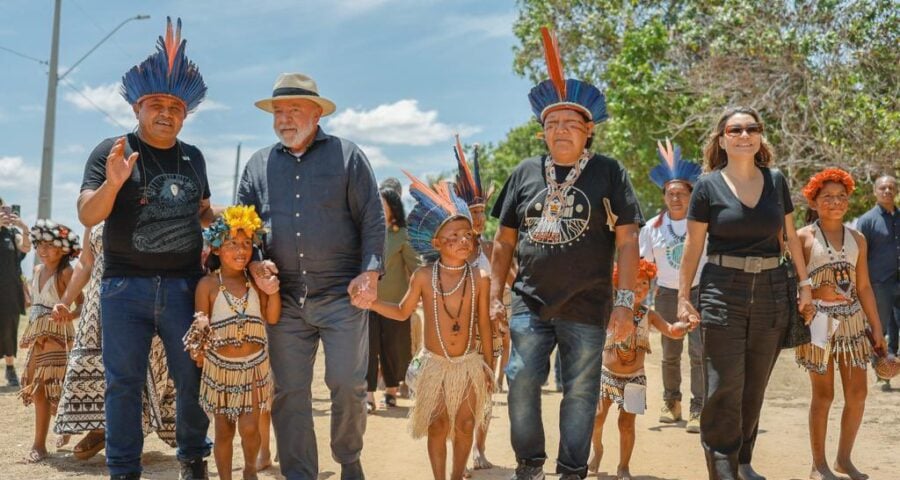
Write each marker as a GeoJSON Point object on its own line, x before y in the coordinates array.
{"type": "Point", "coordinates": [45, 192]}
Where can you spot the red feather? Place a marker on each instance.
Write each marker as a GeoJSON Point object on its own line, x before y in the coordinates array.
{"type": "Point", "coordinates": [172, 41]}
{"type": "Point", "coordinates": [439, 195]}
{"type": "Point", "coordinates": [554, 61]}
{"type": "Point", "coordinates": [465, 166]}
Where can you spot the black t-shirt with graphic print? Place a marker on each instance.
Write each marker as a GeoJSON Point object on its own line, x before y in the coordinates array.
{"type": "Point", "coordinates": [569, 277]}
{"type": "Point", "coordinates": [154, 227]}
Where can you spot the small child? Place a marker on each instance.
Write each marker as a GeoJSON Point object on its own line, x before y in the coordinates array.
{"type": "Point", "coordinates": [844, 308]}
{"type": "Point", "coordinates": [47, 341]}
{"type": "Point", "coordinates": [452, 383]}
{"type": "Point", "coordinates": [623, 380]}
{"type": "Point", "coordinates": [228, 339]}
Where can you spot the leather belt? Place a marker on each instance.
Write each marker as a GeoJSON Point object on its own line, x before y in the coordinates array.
{"type": "Point", "coordinates": [746, 264]}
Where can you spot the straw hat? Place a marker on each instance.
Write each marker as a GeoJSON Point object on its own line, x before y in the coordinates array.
{"type": "Point", "coordinates": [296, 86]}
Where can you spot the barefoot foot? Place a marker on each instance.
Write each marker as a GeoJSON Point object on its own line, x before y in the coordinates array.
{"type": "Point", "coordinates": [622, 473]}
{"type": "Point", "coordinates": [479, 461]}
{"type": "Point", "coordinates": [62, 440]}
{"type": "Point", "coordinates": [35, 455]}
{"type": "Point", "coordinates": [847, 468]}
{"type": "Point", "coordinates": [822, 472]}
{"type": "Point", "coordinates": [594, 462]}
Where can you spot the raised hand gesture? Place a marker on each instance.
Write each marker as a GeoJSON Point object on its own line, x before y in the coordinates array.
{"type": "Point", "coordinates": [119, 168]}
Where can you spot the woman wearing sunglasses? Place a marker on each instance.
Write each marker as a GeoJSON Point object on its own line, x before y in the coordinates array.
{"type": "Point", "coordinates": [741, 206]}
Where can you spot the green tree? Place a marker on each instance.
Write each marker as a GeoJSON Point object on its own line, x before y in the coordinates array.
{"type": "Point", "coordinates": [822, 73]}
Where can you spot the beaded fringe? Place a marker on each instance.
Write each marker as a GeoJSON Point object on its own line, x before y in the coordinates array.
{"type": "Point", "coordinates": [824, 275]}
{"type": "Point", "coordinates": [44, 367]}
{"type": "Point", "coordinates": [848, 345]}
{"type": "Point", "coordinates": [44, 326]}
{"type": "Point", "coordinates": [442, 387]}
{"type": "Point", "coordinates": [227, 385]}
{"type": "Point", "coordinates": [227, 332]}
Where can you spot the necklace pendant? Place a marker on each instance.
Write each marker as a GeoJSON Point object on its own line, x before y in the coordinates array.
{"type": "Point", "coordinates": [456, 328]}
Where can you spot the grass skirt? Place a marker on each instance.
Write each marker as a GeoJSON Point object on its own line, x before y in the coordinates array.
{"type": "Point", "coordinates": [612, 386]}
{"type": "Point", "coordinates": [441, 387]}
{"type": "Point", "coordinates": [228, 384]}
{"type": "Point", "coordinates": [847, 344]}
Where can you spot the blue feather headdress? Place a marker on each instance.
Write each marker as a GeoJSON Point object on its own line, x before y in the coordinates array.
{"type": "Point", "coordinates": [434, 208]}
{"type": "Point", "coordinates": [468, 182]}
{"type": "Point", "coordinates": [166, 72]}
{"type": "Point", "coordinates": [672, 168]}
{"type": "Point", "coordinates": [559, 92]}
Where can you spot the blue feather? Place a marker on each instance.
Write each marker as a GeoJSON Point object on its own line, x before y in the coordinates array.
{"type": "Point", "coordinates": [681, 170]}
{"type": "Point", "coordinates": [427, 217]}
{"type": "Point", "coordinates": [587, 97]}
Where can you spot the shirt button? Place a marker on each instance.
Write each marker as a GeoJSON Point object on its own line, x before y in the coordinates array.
{"type": "Point", "coordinates": [298, 195]}
{"type": "Point", "coordinates": [297, 214]}
{"type": "Point", "coordinates": [301, 255]}
{"type": "Point", "coordinates": [304, 272]}
{"type": "Point", "coordinates": [297, 177]}
{"type": "Point", "coordinates": [298, 234]}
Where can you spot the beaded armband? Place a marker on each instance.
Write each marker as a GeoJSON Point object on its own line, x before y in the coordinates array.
{"type": "Point", "coordinates": [624, 298]}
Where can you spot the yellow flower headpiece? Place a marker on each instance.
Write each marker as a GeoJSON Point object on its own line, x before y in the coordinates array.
{"type": "Point", "coordinates": [235, 218]}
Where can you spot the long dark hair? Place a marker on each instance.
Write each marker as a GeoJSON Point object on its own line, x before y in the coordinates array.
{"type": "Point", "coordinates": [715, 157]}
{"type": "Point", "coordinates": [395, 205]}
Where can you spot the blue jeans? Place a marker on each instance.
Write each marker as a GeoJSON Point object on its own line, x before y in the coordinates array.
{"type": "Point", "coordinates": [580, 350]}
{"type": "Point", "coordinates": [132, 310]}
{"type": "Point", "coordinates": [887, 297]}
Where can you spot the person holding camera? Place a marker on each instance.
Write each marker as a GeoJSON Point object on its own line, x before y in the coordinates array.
{"type": "Point", "coordinates": [14, 244]}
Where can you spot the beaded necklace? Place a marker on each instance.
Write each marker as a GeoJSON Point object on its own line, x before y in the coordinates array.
{"type": "Point", "coordinates": [241, 303]}
{"type": "Point", "coordinates": [435, 287]}
{"type": "Point", "coordinates": [843, 280]}
{"type": "Point", "coordinates": [549, 227]}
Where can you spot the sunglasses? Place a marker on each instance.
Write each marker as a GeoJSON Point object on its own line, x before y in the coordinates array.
{"type": "Point", "coordinates": [738, 130]}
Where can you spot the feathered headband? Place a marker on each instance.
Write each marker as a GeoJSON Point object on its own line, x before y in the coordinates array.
{"type": "Point", "coordinates": [468, 182]}
{"type": "Point", "coordinates": [559, 92]}
{"type": "Point", "coordinates": [646, 269]}
{"type": "Point", "coordinates": [672, 168]}
{"type": "Point", "coordinates": [59, 235]}
{"type": "Point", "coordinates": [235, 218]}
{"type": "Point", "coordinates": [817, 181]}
{"type": "Point", "coordinates": [166, 72]}
{"type": "Point", "coordinates": [434, 208]}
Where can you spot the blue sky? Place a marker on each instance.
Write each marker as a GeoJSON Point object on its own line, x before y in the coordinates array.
{"type": "Point", "coordinates": [405, 75]}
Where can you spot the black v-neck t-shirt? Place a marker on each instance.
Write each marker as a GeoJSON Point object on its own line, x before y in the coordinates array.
{"type": "Point", "coordinates": [734, 228]}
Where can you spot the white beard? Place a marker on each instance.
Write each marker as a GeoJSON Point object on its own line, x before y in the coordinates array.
{"type": "Point", "coordinates": [303, 132]}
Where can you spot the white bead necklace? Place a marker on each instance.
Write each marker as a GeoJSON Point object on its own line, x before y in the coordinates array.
{"type": "Point", "coordinates": [434, 298]}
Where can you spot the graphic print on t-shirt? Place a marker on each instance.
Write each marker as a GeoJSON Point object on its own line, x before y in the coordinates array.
{"type": "Point", "coordinates": [563, 223]}
{"type": "Point", "coordinates": [167, 223]}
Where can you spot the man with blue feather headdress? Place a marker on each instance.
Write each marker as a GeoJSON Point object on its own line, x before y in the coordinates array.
{"type": "Point", "coordinates": [565, 216]}
{"type": "Point", "coordinates": [152, 191]}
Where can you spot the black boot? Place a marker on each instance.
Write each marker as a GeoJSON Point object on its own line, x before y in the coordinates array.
{"type": "Point", "coordinates": [12, 380]}
{"type": "Point", "coordinates": [746, 472]}
{"type": "Point", "coordinates": [193, 469]}
{"type": "Point", "coordinates": [720, 466]}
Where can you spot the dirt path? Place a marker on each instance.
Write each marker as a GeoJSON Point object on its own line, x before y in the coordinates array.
{"type": "Point", "coordinates": [662, 451]}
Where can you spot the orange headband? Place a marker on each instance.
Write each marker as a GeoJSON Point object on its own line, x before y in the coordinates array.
{"type": "Point", "coordinates": [811, 190]}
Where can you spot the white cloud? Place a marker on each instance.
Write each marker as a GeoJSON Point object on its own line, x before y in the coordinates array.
{"type": "Point", "coordinates": [399, 123]}
{"type": "Point", "coordinates": [108, 98]}
{"type": "Point", "coordinates": [16, 174]}
{"type": "Point", "coordinates": [376, 156]}
{"type": "Point", "coordinates": [487, 26]}
{"type": "Point", "coordinates": [73, 149]}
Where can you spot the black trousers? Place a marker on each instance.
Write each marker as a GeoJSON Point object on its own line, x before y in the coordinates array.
{"type": "Point", "coordinates": [389, 346]}
{"type": "Point", "coordinates": [744, 319]}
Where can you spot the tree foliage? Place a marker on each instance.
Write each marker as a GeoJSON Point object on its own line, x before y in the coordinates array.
{"type": "Point", "coordinates": [823, 73]}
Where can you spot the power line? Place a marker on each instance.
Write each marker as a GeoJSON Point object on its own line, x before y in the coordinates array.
{"type": "Point", "coordinates": [99, 28]}
{"type": "Point", "coordinates": [96, 107]}
{"type": "Point", "coordinates": [29, 57]}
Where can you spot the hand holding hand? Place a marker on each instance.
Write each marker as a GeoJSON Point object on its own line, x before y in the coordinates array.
{"type": "Point", "coordinates": [687, 313]}
{"type": "Point", "coordinates": [265, 276]}
{"type": "Point", "coordinates": [804, 301]}
{"type": "Point", "coordinates": [363, 289]}
{"type": "Point", "coordinates": [61, 313]}
{"type": "Point", "coordinates": [119, 168]}
{"type": "Point", "coordinates": [880, 346]}
{"type": "Point", "coordinates": [621, 323]}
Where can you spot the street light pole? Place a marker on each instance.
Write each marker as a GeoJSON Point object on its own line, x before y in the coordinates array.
{"type": "Point", "coordinates": [45, 192]}
{"type": "Point", "coordinates": [45, 199]}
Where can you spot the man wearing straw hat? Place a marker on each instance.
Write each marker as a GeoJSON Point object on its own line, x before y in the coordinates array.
{"type": "Point", "coordinates": [319, 199]}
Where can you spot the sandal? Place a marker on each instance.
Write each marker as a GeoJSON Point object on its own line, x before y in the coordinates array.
{"type": "Point", "coordinates": [90, 445]}
{"type": "Point", "coordinates": [370, 407]}
{"type": "Point", "coordinates": [390, 400]}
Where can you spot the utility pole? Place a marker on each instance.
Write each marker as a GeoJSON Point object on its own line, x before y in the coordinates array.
{"type": "Point", "coordinates": [237, 173]}
{"type": "Point", "coordinates": [45, 199]}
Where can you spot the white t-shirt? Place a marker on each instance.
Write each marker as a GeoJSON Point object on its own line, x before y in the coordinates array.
{"type": "Point", "coordinates": [663, 246]}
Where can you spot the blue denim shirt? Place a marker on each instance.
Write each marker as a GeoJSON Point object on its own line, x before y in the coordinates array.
{"type": "Point", "coordinates": [323, 214]}
{"type": "Point", "coordinates": [882, 232]}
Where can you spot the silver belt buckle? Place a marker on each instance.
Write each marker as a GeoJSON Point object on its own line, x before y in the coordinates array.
{"type": "Point", "coordinates": [753, 264]}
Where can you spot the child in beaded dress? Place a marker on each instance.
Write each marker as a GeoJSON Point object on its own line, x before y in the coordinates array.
{"type": "Point", "coordinates": [47, 341]}
{"type": "Point", "coordinates": [845, 308]}
{"type": "Point", "coordinates": [452, 382]}
{"type": "Point", "coordinates": [623, 365]}
{"type": "Point", "coordinates": [228, 339]}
